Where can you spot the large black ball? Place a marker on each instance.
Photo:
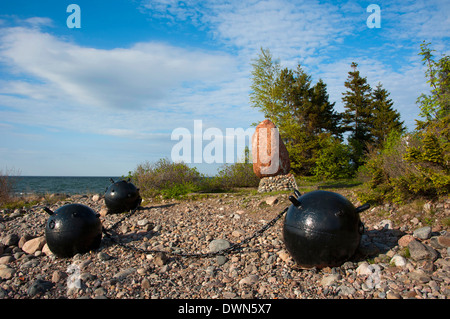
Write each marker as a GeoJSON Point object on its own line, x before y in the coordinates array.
{"type": "Point", "coordinates": [122, 196]}
{"type": "Point", "coordinates": [73, 229]}
{"type": "Point", "coordinates": [322, 229]}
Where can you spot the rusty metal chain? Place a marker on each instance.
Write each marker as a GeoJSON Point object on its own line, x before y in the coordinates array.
{"type": "Point", "coordinates": [233, 248]}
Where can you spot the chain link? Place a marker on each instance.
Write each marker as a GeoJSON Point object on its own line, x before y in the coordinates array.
{"type": "Point", "coordinates": [233, 248]}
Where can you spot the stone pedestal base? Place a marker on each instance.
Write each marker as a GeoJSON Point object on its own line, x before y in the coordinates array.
{"type": "Point", "coordinates": [277, 183]}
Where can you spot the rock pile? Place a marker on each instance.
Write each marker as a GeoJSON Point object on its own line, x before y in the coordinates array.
{"type": "Point", "coordinates": [277, 183]}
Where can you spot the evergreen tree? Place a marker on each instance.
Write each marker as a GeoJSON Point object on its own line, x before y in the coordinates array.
{"type": "Point", "coordinates": [357, 116]}
{"type": "Point", "coordinates": [436, 105]}
{"type": "Point", "coordinates": [264, 94]}
{"type": "Point", "coordinates": [385, 117]}
{"type": "Point", "coordinates": [324, 118]}
{"type": "Point", "coordinates": [295, 90]}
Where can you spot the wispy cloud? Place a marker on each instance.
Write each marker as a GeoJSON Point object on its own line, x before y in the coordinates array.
{"type": "Point", "coordinates": [292, 29]}
{"type": "Point", "coordinates": [123, 78]}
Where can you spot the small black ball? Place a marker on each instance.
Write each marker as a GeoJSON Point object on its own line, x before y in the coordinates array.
{"type": "Point", "coordinates": [73, 229]}
{"type": "Point", "coordinates": [122, 196]}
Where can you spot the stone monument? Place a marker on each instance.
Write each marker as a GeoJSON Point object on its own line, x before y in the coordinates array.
{"type": "Point", "coordinates": [271, 159]}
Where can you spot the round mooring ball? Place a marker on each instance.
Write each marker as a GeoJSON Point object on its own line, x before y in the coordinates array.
{"type": "Point", "coordinates": [73, 229]}
{"type": "Point", "coordinates": [122, 196]}
{"type": "Point", "coordinates": [322, 229]}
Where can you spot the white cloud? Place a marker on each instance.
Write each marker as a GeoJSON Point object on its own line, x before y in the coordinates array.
{"type": "Point", "coordinates": [417, 20]}
{"type": "Point", "coordinates": [122, 78]}
{"type": "Point", "coordinates": [293, 30]}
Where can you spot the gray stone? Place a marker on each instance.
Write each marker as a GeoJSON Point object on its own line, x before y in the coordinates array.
{"type": "Point", "coordinates": [103, 256]}
{"type": "Point", "coordinates": [39, 286]}
{"type": "Point", "coordinates": [6, 272]}
{"type": "Point", "coordinates": [419, 251]}
{"type": "Point", "coordinates": [124, 273]}
{"type": "Point", "coordinates": [346, 290]}
{"type": "Point", "coordinates": [422, 233]}
{"type": "Point", "coordinates": [221, 260]}
{"type": "Point", "coordinates": [142, 222]}
{"type": "Point", "coordinates": [218, 244]}
{"type": "Point", "coordinates": [11, 240]}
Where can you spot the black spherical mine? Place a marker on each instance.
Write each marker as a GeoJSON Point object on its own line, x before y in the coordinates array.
{"type": "Point", "coordinates": [322, 228]}
{"type": "Point", "coordinates": [122, 196]}
{"type": "Point", "coordinates": [73, 229]}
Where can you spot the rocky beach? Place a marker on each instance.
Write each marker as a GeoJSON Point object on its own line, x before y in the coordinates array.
{"type": "Point", "coordinates": [402, 254]}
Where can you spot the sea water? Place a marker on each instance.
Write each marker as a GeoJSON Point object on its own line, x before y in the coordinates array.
{"type": "Point", "coordinates": [70, 185]}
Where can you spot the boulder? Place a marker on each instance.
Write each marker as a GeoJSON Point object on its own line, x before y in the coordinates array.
{"type": "Point", "coordinates": [270, 156]}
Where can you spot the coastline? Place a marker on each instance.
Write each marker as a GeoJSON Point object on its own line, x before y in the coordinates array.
{"type": "Point", "coordinates": [69, 185]}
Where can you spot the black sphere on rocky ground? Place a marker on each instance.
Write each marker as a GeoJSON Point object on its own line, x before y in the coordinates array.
{"type": "Point", "coordinates": [122, 196]}
{"type": "Point", "coordinates": [73, 229]}
{"type": "Point", "coordinates": [322, 229]}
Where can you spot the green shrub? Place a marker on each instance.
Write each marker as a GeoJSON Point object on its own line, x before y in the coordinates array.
{"type": "Point", "coordinates": [237, 175]}
{"type": "Point", "coordinates": [165, 178]}
{"type": "Point", "coordinates": [413, 165]}
{"type": "Point", "coordinates": [431, 159]}
{"type": "Point", "coordinates": [333, 160]}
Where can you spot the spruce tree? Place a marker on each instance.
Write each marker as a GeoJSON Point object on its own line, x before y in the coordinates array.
{"type": "Point", "coordinates": [324, 118]}
{"type": "Point", "coordinates": [385, 117]}
{"type": "Point", "coordinates": [357, 116]}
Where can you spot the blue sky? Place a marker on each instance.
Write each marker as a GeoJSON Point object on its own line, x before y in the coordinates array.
{"type": "Point", "coordinates": [100, 99]}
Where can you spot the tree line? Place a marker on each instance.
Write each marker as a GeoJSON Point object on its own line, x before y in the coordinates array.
{"type": "Point", "coordinates": [311, 128]}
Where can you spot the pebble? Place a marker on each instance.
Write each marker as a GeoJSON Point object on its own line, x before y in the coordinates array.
{"type": "Point", "coordinates": [330, 280]}
{"type": "Point", "coordinates": [218, 244]}
{"type": "Point", "coordinates": [39, 286]}
{"type": "Point", "coordinates": [124, 273]}
{"type": "Point", "coordinates": [405, 240]}
{"type": "Point", "coordinates": [398, 261]}
{"type": "Point", "coordinates": [260, 269]}
{"type": "Point", "coordinates": [422, 233]}
{"type": "Point", "coordinates": [421, 251]}
{"type": "Point", "coordinates": [33, 245]}
{"type": "Point", "coordinates": [6, 272]}
{"type": "Point", "coordinates": [249, 280]}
